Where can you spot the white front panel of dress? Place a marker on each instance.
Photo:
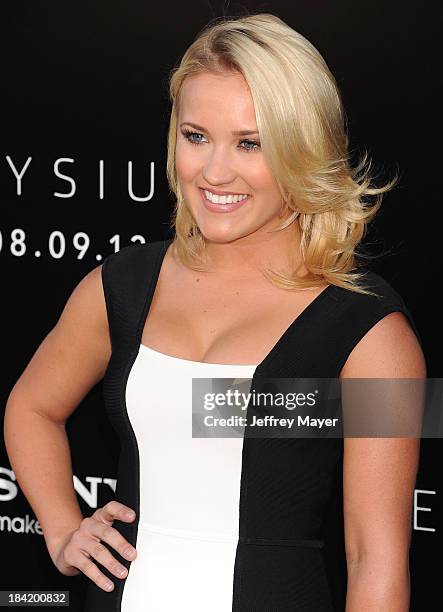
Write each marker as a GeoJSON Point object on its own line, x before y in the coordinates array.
{"type": "Point", "coordinates": [189, 492]}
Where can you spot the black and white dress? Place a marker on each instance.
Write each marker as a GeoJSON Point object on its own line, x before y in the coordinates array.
{"type": "Point", "coordinates": [243, 524]}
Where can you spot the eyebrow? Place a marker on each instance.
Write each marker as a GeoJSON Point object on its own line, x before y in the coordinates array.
{"type": "Point", "coordinates": [236, 133]}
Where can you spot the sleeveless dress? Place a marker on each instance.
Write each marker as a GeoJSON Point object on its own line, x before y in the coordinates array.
{"type": "Point", "coordinates": [243, 524]}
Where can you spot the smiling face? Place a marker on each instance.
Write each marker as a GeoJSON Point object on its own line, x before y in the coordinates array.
{"type": "Point", "coordinates": [210, 155]}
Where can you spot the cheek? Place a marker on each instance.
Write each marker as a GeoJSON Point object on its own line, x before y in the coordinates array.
{"type": "Point", "coordinates": [261, 179]}
{"type": "Point", "coordinates": [181, 161]}
{"type": "Point", "coordinates": [186, 163]}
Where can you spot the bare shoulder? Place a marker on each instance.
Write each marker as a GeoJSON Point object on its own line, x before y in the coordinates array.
{"type": "Point", "coordinates": [379, 473]}
{"type": "Point", "coordinates": [390, 349]}
{"type": "Point", "coordinates": [73, 356]}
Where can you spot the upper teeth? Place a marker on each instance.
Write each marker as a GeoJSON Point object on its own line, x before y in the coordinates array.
{"type": "Point", "coordinates": [218, 199]}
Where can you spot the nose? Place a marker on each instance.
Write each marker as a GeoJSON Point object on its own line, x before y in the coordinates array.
{"type": "Point", "coordinates": [218, 169]}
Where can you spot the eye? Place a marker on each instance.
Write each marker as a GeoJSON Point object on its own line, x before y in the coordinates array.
{"type": "Point", "coordinates": [256, 145]}
{"type": "Point", "coordinates": [189, 135]}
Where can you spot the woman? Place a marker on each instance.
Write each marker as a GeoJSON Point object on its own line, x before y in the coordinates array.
{"type": "Point", "coordinates": [261, 279]}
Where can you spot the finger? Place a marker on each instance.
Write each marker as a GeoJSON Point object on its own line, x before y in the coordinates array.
{"type": "Point", "coordinates": [100, 553]}
{"type": "Point", "coordinates": [108, 534]}
{"type": "Point", "coordinates": [114, 510]}
{"type": "Point", "coordinates": [84, 563]}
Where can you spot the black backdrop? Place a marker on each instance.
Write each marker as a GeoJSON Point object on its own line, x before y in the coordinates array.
{"type": "Point", "coordinates": [87, 81]}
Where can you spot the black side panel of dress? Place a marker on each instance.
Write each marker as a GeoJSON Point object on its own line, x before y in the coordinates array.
{"type": "Point", "coordinates": [292, 489]}
{"type": "Point", "coordinates": [128, 283]}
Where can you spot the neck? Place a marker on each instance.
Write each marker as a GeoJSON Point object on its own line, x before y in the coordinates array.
{"type": "Point", "coordinates": [245, 257]}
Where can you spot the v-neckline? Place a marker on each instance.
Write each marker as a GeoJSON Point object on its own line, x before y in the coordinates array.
{"type": "Point", "coordinates": [315, 303]}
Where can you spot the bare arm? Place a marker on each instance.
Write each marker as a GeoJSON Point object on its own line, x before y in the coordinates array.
{"type": "Point", "coordinates": [378, 479]}
{"type": "Point", "coordinates": [69, 362]}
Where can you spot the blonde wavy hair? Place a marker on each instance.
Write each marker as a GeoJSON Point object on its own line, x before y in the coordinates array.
{"type": "Point", "coordinates": [301, 123]}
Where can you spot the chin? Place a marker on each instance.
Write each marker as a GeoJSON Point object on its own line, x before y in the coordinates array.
{"type": "Point", "coordinates": [219, 237]}
{"type": "Point", "coordinates": [219, 234]}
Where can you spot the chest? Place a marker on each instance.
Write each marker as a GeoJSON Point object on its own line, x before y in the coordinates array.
{"type": "Point", "coordinates": [194, 316]}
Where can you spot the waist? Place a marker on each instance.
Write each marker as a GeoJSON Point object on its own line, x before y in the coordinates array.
{"type": "Point", "coordinates": [309, 542]}
{"type": "Point", "coordinates": [207, 536]}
